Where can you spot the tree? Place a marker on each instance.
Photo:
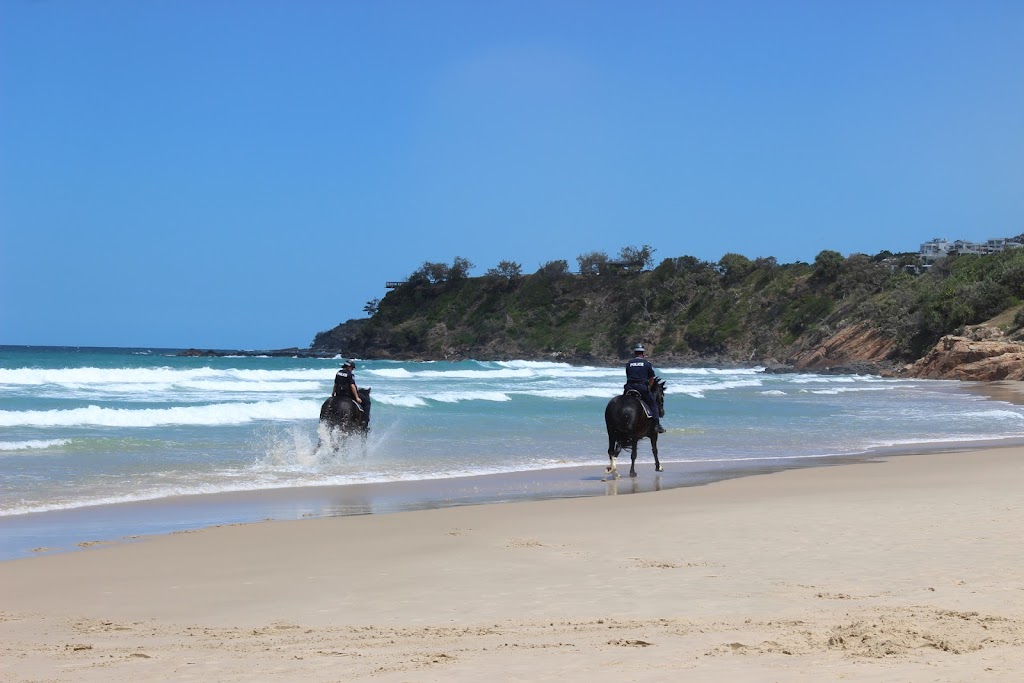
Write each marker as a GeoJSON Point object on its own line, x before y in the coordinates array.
{"type": "Point", "coordinates": [554, 269]}
{"type": "Point", "coordinates": [592, 262]}
{"type": "Point", "coordinates": [460, 268]}
{"type": "Point", "coordinates": [827, 265]}
{"type": "Point", "coordinates": [510, 270]}
{"type": "Point", "coordinates": [431, 273]}
{"type": "Point", "coordinates": [372, 306]}
{"type": "Point", "coordinates": [734, 268]}
{"type": "Point", "coordinates": [861, 275]}
{"type": "Point", "coordinates": [644, 255]}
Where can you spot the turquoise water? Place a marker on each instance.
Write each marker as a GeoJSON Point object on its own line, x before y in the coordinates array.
{"type": "Point", "coordinates": [84, 427]}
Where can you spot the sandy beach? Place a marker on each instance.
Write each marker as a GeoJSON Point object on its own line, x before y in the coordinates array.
{"type": "Point", "coordinates": [903, 569]}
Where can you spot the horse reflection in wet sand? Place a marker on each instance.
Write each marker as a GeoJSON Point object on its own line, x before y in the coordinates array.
{"type": "Point", "coordinates": [627, 423]}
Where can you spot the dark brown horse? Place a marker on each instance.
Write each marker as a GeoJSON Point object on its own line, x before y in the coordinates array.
{"type": "Point", "coordinates": [341, 415]}
{"type": "Point", "coordinates": [627, 423]}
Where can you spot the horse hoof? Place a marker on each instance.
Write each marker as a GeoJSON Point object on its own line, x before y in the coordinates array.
{"type": "Point", "coordinates": [659, 469]}
{"type": "Point", "coordinates": [632, 474]}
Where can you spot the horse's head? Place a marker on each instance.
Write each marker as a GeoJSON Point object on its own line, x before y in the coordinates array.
{"type": "Point", "coordinates": [659, 395]}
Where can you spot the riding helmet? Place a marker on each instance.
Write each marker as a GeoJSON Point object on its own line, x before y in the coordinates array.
{"type": "Point", "coordinates": [351, 364]}
{"type": "Point", "coordinates": [639, 348]}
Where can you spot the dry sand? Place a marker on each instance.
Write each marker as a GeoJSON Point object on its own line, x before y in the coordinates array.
{"type": "Point", "coordinates": [909, 569]}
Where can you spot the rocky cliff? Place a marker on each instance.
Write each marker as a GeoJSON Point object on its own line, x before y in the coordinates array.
{"type": "Point", "coordinates": [982, 353]}
{"type": "Point", "coordinates": [854, 345]}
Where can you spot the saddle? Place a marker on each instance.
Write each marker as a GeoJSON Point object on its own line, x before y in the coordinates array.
{"type": "Point", "coordinates": [350, 400]}
{"type": "Point", "coordinates": [643, 403]}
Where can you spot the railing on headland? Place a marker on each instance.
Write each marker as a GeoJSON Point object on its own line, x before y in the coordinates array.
{"type": "Point", "coordinates": [392, 285]}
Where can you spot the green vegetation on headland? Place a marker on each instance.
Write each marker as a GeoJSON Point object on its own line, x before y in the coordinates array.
{"type": "Point", "coordinates": [882, 309]}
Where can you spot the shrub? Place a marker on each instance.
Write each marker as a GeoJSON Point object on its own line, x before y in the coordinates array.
{"type": "Point", "coordinates": [510, 270]}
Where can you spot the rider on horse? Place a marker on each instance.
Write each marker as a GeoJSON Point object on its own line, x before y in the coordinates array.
{"type": "Point", "coordinates": [640, 378]}
{"type": "Point", "coordinates": [345, 383]}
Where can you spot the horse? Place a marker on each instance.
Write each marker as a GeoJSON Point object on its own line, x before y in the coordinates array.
{"type": "Point", "coordinates": [627, 423]}
{"type": "Point", "coordinates": [340, 414]}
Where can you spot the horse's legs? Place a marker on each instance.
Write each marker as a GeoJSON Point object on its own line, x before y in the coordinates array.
{"type": "Point", "coordinates": [613, 450]}
{"type": "Point", "coordinates": [632, 459]}
{"type": "Point", "coordinates": [654, 447]}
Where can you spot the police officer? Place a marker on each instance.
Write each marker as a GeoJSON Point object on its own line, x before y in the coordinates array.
{"type": "Point", "coordinates": [345, 383]}
{"type": "Point", "coordinates": [640, 376]}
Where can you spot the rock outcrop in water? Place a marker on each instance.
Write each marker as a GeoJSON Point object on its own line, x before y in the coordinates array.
{"type": "Point", "coordinates": [982, 353]}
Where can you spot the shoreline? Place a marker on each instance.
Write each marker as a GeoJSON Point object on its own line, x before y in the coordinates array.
{"type": "Point", "coordinates": [905, 567]}
{"type": "Point", "coordinates": [78, 528]}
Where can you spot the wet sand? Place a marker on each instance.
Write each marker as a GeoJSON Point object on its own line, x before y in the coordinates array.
{"type": "Point", "coordinates": [68, 530]}
{"type": "Point", "coordinates": [902, 569]}
{"type": "Point", "coordinates": [1011, 391]}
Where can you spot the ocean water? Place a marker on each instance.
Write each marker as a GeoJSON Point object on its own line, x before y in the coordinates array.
{"type": "Point", "coordinates": [81, 428]}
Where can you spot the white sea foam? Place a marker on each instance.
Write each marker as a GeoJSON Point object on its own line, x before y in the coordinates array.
{"type": "Point", "coordinates": [254, 386]}
{"type": "Point", "coordinates": [846, 390]}
{"type": "Point", "coordinates": [694, 389]}
{"type": "Point", "coordinates": [503, 370]}
{"type": "Point", "coordinates": [773, 392]}
{"type": "Point", "coordinates": [535, 365]}
{"type": "Point", "coordinates": [945, 439]}
{"type": "Point", "coordinates": [398, 400]}
{"type": "Point", "coordinates": [710, 372]}
{"type": "Point", "coordinates": [820, 379]}
{"type": "Point", "coordinates": [585, 392]}
{"type": "Point", "coordinates": [992, 414]}
{"type": "Point", "coordinates": [474, 374]}
{"type": "Point", "coordinates": [456, 396]}
{"type": "Point", "coordinates": [89, 376]}
{"type": "Point", "coordinates": [393, 373]}
{"type": "Point", "coordinates": [34, 444]}
{"type": "Point", "coordinates": [215, 414]}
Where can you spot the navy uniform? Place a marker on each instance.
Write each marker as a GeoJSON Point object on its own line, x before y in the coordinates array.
{"type": "Point", "coordinates": [639, 375]}
{"type": "Point", "coordinates": [345, 382]}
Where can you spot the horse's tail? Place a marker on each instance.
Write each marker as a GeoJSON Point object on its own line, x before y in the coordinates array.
{"type": "Point", "coordinates": [618, 424]}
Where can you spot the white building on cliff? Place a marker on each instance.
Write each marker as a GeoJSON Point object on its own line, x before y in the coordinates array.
{"type": "Point", "coordinates": [940, 248]}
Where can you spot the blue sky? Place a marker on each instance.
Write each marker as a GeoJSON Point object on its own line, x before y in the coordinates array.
{"type": "Point", "coordinates": [244, 174]}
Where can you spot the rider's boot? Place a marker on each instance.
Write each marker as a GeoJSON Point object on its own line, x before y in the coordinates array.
{"type": "Point", "coordinates": [658, 428]}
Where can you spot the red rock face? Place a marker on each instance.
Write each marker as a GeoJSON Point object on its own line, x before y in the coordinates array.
{"type": "Point", "coordinates": [854, 344]}
{"type": "Point", "coordinates": [968, 358]}
{"type": "Point", "coordinates": [983, 354]}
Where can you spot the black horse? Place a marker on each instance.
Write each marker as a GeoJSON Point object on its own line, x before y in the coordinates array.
{"type": "Point", "coordinates": [627, 423]}
{"type": "Point", "coordinates": [340, 414]}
